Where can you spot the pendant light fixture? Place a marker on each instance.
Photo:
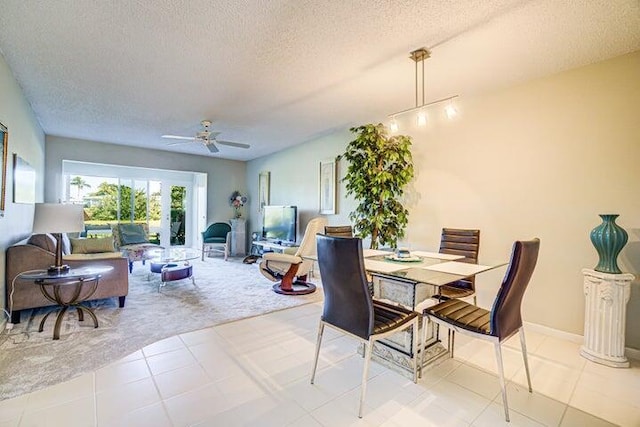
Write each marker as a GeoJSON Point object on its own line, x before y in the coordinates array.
{"type": "Point", "coordinates": [421, 109]}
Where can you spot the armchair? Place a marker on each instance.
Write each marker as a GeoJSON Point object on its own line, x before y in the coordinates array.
{"type": "Point", "coordinates": [291, 270]}
{"type": "Point", "coordinates": [132, 240]}
{"type": "Point", "coordinates": [217, 238]}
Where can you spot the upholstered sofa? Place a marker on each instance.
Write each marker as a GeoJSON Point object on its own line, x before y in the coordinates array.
{"type": "Point", "coordinates": [38, 252]}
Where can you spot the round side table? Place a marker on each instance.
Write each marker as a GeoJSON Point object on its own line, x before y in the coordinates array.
{"type": "Point", "coordinates": [51, 286]}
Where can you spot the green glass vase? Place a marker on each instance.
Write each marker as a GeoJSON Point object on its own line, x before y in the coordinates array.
{"type": "Point", "coordinates": [609, 239]}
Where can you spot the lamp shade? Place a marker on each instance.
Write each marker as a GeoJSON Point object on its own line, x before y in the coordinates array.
{"type": "Point", "coordinates": [58, 218]}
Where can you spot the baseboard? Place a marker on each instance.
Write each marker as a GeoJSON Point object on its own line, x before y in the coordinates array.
{"type": "Point", "coordinates": [631, 353]}
{"type": "Point", "coordinates": [557, 333]}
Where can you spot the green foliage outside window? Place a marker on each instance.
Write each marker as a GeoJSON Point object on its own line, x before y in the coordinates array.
{"type": "Point", "coordinates": [110, 200]}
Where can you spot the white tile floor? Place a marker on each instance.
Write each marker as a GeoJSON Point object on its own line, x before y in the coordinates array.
{"type": "Point", "coordinates": [255, 372]}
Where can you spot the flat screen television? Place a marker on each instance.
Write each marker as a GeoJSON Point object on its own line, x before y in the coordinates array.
{"type": "Point", "coordinates": [279, 223]}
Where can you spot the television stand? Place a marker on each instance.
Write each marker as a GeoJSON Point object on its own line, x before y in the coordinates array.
{"type": "Point", "coordinates": [288, 248]}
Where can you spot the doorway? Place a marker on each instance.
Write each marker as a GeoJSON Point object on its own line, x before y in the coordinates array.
{"type": "Point", "coordinates": [176, 206]}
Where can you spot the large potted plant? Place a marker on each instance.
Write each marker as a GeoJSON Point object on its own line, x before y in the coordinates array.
{"type": "Point", "coordinates": [380, 166]}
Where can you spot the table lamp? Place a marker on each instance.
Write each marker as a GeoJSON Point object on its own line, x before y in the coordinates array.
{"type": "Point", "coordinates": [57, 218]}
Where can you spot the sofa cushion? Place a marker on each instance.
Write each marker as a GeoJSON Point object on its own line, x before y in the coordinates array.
{"type": "Point", "coordinates": [66, 244]}
{"type": "Point", "coordinates": [92, 257]}
{"type": "Point", "coordinates": [131, 234]}
{"type": "Point", "coordinates": [91, 246]}
{"type": "Point", "coordinates": [44, 241]}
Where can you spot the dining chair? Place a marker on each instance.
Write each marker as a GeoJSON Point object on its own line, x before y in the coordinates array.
{"type": "Point", "coordinates": [505, 318]}
{"type": "Point", "coordinates": [349, 307]}
{"type": "Point", "coordinates": [464, 242]}
{"type": "Point", "coordinates": [338, 230]}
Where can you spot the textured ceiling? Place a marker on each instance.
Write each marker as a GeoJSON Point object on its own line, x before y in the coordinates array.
{"type": "Point", "coordinates": [276, 73]}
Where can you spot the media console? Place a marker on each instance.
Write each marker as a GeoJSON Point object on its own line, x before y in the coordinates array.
{"type": "Point", "coordinates": [276, 247]}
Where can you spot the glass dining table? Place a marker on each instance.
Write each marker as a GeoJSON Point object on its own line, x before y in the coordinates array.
{"type": "Point", "coordinates": [414, 282]}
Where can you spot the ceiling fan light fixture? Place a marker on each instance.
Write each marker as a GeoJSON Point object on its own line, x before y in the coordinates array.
{"type": "Point", "coordinates": [207, 138]}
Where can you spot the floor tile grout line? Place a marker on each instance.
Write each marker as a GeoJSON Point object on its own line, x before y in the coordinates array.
{"type": "Point", "coordinates": [165, 410]}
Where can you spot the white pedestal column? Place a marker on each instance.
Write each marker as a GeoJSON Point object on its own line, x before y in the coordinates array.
{"type": "Point", "coordinates": [238, 237]}
{"type": "Point", "coordinates": [606, 297]}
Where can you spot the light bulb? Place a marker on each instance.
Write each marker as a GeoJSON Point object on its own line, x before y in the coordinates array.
{"type": "Point", "coordinates": [393, 126]}
{"type": "Point", "coordinates": [450, 111]}
{"type": "Point", "coordinates": [421, 119]}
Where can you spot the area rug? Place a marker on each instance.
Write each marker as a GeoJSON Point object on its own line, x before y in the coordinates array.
{"type": "Point", "coordinates": [224, 291]}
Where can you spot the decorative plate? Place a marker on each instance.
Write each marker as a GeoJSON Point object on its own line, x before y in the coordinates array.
{"type": "Point", "coordinates": [394, 257]}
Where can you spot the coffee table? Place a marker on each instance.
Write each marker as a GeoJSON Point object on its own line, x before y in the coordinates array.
{"type": "Point", "coordinates": [173, 264]}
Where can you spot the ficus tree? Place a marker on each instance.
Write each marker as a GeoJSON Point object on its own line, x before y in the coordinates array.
{"type": "Point", "coordinates": [380, 167]}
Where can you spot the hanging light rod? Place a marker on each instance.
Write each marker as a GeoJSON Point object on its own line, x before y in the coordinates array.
{"type": "Point", "coordinates": [418, 56]}
{"type": "Point", "coordinates": [419, 107]}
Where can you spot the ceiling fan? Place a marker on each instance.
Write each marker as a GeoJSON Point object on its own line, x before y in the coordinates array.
{"type": "Point", "coordinates": [206, 137]}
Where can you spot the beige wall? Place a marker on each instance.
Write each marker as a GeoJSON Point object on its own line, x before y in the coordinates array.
{"type": "Point", "coordinates": [223, 176]}
{"type": "Point", "coordinates": [541, 159]}
{"type": "Point", "coordinates": [27, 140]}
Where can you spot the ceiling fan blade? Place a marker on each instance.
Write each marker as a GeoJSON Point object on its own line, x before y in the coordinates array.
{"type": "Point", "coordinates": [186, 138]}
{"type": "Point", "coordinates": [233, 144]}
{"type": "Point", "coordinates": [178, 143]}
{"type": "Point", "coordinates": [211, 147]}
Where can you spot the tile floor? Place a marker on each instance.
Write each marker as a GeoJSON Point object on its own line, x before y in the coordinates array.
{"type": "Point", "coordinates": [255, 372]}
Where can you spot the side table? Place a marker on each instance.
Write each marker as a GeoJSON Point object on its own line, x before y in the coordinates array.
{"type": "Point", "coordinates": [72, 281]}
{"type": "Point", "coordinates": [606, 297]}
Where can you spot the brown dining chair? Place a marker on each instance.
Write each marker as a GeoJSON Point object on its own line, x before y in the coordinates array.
{"type": "Point", "coordinates": [338, 230]}
{"type": "Point", "coordinates": [454, 241]}
{"type": "Point", "coordinates": [504, 319]}
{"type": "Point", "coordinates": [348, 306]}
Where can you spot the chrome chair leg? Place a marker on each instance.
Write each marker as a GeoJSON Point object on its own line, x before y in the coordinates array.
{"type": "Point", "coordinates": [365, 372]}
{"type": "Point", "coordinates": [318, 342]}
{"type": "Point", "coordinates": [453, 341]}
{"type": "Point", "coordinates": [415, 349]}
{"type": "Point", "coordinates": [523, 344]}
{"type": "Point", "coordinates": [502, 383]}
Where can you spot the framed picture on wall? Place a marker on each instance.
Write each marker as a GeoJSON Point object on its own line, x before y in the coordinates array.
{"type": "Point", "coordinates": [4, 139]}
{"type": "Point", "coordinates": [24, 181]}
{"type": "Point", "coordinates": [263, 190]}
{"type": "Point", "coordinates": [328, 187]}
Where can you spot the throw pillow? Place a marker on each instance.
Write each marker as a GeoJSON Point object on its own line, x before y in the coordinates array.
{"type": "Point", "coordinates": [91, 246]}
{"type": "Point", "coordinates": [44, 241]}
{"type": "Point", "coordinates": [66, 244]}
{"type": "Point", "coordinates": [131, 234]}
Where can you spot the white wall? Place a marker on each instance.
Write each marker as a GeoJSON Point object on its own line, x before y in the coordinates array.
{"type": "Point", "coordinates": [295, 176]}
{"type": "Point", "coordinates": [223, 176]}
{"type": "Point", "coordinates": [541, 159]}
{"type": "Point", "coordinates": [27, 139]}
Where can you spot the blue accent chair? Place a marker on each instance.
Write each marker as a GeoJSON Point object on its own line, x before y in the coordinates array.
{"type": "Point", "coordinates": [217, 238]}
